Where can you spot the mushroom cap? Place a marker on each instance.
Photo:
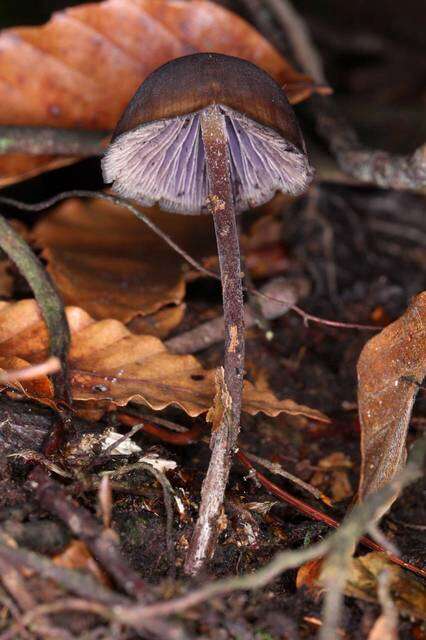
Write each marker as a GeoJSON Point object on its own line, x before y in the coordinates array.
{"type": "Point", "coordinates": [193, 82]}
{"type": "Point", "coordinates": [157, 152]}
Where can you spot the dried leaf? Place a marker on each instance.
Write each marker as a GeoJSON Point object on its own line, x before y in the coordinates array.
{"type": "Point", "coordinates": [332, 475]}
{"type": "Point", "coordinates": [390, 368]}
{"type": "Point", "coordinates": [77, 556]}
{"type": "Point", "coordinates": [82, 67]}
{"type": "Point", "coordinates": [108, 262]}
{"type": "Point", "coordinates": [112, 366]}
{"type": "Point", "coordinates": [407, 591]}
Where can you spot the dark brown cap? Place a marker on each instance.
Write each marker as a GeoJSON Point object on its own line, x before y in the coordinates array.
{"type": "Point", "coordinates": [157, 151]}
{"type": "Point", "coordinates": [194, 82]}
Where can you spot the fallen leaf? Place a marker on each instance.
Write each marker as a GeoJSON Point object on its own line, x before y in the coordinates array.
{"type": "Point", "coordinates": [332, 475]}
{"type": "Point", "coordinates": [105, 260]}
{"type": "Point", "coordinates": [308, 575]}
{"type": "Point", "coordinates": [391, 367]}
{"type": "Point", "coordinates": [111, 366]}
{"type": "Point", "coordinates": [158, 324]}
{"type": "Point", "coordinates": [82, 67]}
{"type": "Point", "coordinates": [77, 556]}
{"type": "Point", "coordinates": [407, 591]}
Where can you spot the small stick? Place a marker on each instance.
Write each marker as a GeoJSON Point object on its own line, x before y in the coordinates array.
{"type": "Point", "coordinates": [52, 141]}
{"type": "Point", "coordinates": [277, 469]}
{"type": "Point", "coordinates": [48, 298]}
{"type": "Point", "coordinates": [103, 543]}
{"type": "Point", "coordinates": [49, 366]}
{"type": "Point", "coordinates": [212, 331]}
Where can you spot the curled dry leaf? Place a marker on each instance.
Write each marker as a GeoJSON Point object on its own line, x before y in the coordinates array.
{"type": "Point", "coordinates": [407, 591]}
{"type": "Point", "coordinates": [111, 366]}
{"type": "Point", "coordinates": [77, 556]}
{"type": "Point", "coordinates": [108, 262]}
{"type": "Point", "coordinates": [82, 67]}
{"type": "Point", "coordinates": [391, 367]}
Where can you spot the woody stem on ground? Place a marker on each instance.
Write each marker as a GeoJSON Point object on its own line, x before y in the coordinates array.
{"type": "Point", "coordinates": [224, 437]}
{"type": "Point", "coordinates": [52, 140]}
{"type": "Point", "coordinates": [47, 297]}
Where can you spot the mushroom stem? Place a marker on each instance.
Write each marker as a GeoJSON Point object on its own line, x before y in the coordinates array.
{"type": "Point", "coordinates": [224, 438]}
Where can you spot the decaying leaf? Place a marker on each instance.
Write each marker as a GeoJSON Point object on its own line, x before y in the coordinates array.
{"type": "Point", "coordinates": [333, 477]}
{"type": "Point", "coordinates": [111, 366]}
{"type": "Point", "coordinates": [91, 58]}
{"type": "Point", "coordinates": [407, 591]}
{"type": "Point", "coordinates": [390, 369]}
{"type": "Point", "coordinates": [108, 262]}
{"type": "Point", "coordinates": [77, 556]}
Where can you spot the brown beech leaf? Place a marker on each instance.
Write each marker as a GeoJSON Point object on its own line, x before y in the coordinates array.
{"type": "Point", "coordinates": [390, 368]}
{"type": "Point", "coordinates": [82, 67]}
{"type": "Point", "coordinates": [111, 366]}
{"type": "Point", "coordinates": [77, 556]}
{"type": "Point", "coordinates": [407, 591]}
{"type": "Point", "coordinates": [108, 262]}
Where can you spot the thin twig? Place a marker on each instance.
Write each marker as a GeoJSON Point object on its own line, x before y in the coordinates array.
{"type": "Point", "coordinates": [103, 543]}
{"type": "Point", "coordinates": [81, 584]}
{"type": "Point", "coordinates": [167, 493]}
{"type": "Point", "coordinates": [49, 366]}
{"type": "Point", "coordinates": [123, 202]}
{"type": "Point", "coordinates": [366, 165]}
{"type": "Point", "coordinates": [277, 469]}
{"type": "Point", "coordinates": [52, 141]}
{"type": "Point", "coordinates": [48, 298]}
{"type": "Point", "coordinates": [212, 331]}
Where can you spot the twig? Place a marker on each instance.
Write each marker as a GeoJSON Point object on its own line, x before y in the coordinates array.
{"type": "Point", "coordinates": [367, 165]}
{"type": "Point", "coordinates": [350, 531]}
{"type": "Point", "coordinates": [127, 436]}
{"type": "Point", "coordinates": [154, 629]}
{"type": "Point", "coordinates": [103, 543]}
{"type": "Point", "coordinates": [47, 297]}
{"type": "Point", "coordinates": [167, 493]}
{"type": "Point", "coordinates": [277, 469]}
{"type": "Point", "coordinates": [52, 141]}
{"type": "Point", "coordinates": [49, 366]}
{"type": "Point", "coordinates": [123, 202]}
{"type": "Point", "coordinates": [211, 332]}
{"type": "Point", "coordinates": [9, 604]}
{"type": "Point", "coordinates": [386, 626]}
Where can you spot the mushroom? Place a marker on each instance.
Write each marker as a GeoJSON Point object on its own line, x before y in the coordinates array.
{"type": "Point", "coordinates": [216, 134]}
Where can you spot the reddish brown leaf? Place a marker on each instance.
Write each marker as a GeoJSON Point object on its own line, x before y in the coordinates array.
{"type": "Point", "coordinates": [77, 556]}
{"type": "Point", "coordinates": [83, 66]}
{"type": "Point", "coordinates": [390, 368]}
{"type": "Point", "coordinates": [107, 261]}
{"type": "Point", "coordinates": [407, 591]}
{"type": "Point", "coordinates": [111, 366]}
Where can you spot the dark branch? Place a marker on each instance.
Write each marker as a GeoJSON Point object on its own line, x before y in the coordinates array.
{"type": "Point", "coordinates": [52, 141]}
